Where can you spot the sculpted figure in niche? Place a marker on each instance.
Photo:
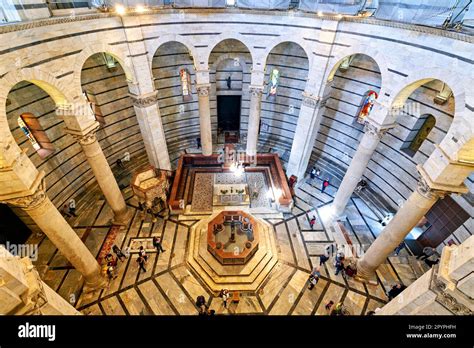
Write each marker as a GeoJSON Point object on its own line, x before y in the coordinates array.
{"type": "Point", "coordinates": [367, 106]}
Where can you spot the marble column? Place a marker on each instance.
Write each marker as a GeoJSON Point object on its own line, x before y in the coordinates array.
{"type": "Point", "coordinates": [151, 127]}
{"type": "Point", "coordinates": [305, 135]}
{"type": "Point", "coordinates": [205, 118]}
{"type": "Point", "coordinates": [365, 150]}
{"type": "Point", "coordinates": [103, 174]}
{"type": "Point", "coordinates": [254, 119]}
{"type": "Point", "coordinates": [42, 211]}
{"type": "Point", "coordinates": [409, 215]}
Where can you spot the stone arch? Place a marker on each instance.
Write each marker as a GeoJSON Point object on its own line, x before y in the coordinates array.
{"type": "Point", "coordinates": [88, 52]}
{"type": "Point", "coordinates": [47, 82]}
{"type": "Point", "coordinates": [462, 116]}
{"type": "Point", "coordinates": [223, 37]}
{"type": "Point", "coordinates": [280, 40]}
{"type": "Point", "coordinates": [339, 55]}
{"type": "Point", "coordinates": [156, 44]}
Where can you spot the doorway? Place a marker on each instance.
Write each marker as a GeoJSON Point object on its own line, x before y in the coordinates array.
{"type": "Point", "coordinates": [12, 229]}
{"type": "Point", "coordinates": [228, 116]}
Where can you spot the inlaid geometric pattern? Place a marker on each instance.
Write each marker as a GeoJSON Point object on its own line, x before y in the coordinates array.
{"type": "Point", "coordinates": [170, 286]}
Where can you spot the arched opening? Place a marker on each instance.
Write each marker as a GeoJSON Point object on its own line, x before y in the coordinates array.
{"type": "Point", "coordinates": [230, 62]}
{"type": "Point", "coordinates": [286, 73]}
{"type": "Point", "coordinates": [105, 88]}
{"type": "Point", "coordinates": [353, 85]}
{"type": "Point", "coordinates": [173, 72]}
{"type": "Point", "coordinates": [418, 134]}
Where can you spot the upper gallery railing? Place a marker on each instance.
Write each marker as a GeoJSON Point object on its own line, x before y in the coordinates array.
{"type": "Point", "coordinates": [439, 13]}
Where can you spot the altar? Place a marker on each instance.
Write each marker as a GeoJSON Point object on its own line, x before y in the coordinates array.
{"type": "Point", "coordinates": [231, 194]}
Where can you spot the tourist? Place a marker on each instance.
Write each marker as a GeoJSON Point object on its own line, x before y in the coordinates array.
{"type": "Point", "coordinates": [323, 258]}
{"type": "Point", "coordinates": [338, 263]}
{"type": "Point", "coordinates": [65, 211]}
{"type": "Point", "coordinates": [328, 306]}
{"type": "Point", "coordinates": [427, 252]}
{"type": "Point", "coordinates": [72, 208]}
{"type": "Point", "coordinates": [111, 271]}
{"type": "Point", "coordinates": [142, 253]}
{"type": "Point", "coordinates": [395, 291]}
{"type": "Point", "coordinates": [361, 185]}
{"type": "Point", "coordinates": [350, 271]}
{"type": "Point", "coordinates": [338, 309]}
{"type": "Point", "coordinates": [312, 222]}
{"type": "Point", "coordinates": [141, 264]}
{"type": "Point", "coordinates": [314, 278]}
{"type": "Point", "coordinates": [225, 296]}
{"type": "Point", "coordinates": [312, 174]}
{"type": "Point", "coordinates": [119, 253]}
{"type": "Point", "coordinates": [201, 305]}
{"type": "Point", "coordinates": [399, 248]}
{"type": "Point", "coordinates": [157, 244]}
{"type": "Point", "coordinates": [111, 260]}
{"type": "Point", "coordinates": [324, 185]}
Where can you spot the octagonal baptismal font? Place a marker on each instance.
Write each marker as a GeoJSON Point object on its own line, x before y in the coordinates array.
{"type": "Point", "coordinates": [232, 249]}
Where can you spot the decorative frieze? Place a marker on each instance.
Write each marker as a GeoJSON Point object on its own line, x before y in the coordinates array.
{"type": "Point", "coordinates": [445, 298]}
{"type": "Point", "coordinates": [143, 101]}
{"type": "Point", "coordinates": [256, 91]}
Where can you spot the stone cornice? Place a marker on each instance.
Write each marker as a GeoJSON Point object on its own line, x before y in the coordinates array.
{"type": "Point", "coordinates": [359, 19]}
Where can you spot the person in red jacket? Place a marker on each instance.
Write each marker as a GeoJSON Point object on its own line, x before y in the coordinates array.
{"type": "Point", "coordinates": [325, 185]}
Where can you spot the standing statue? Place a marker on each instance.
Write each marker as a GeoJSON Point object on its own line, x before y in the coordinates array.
{"type": "Point", "coordinates": [229, 82]}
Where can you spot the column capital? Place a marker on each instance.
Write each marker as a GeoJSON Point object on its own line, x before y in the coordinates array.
{"type": "Point", "coordinates": [31, 201]}
{"type": "Point", "coordinates": [203, 89]}
{"type": "Point", "coordinates": [144, 100]}
{"type": "Point", "coordinates": [86, 136]}
{"type": "Point", "coordinates": [256, 90]}
{"type": "Point", "coordinates": [310, 100]}
{"type": "Point", "coordinates": [375, 129]}
{"type": "Point", "coordinates": [429, 188]}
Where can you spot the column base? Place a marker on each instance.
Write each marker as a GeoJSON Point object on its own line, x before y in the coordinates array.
{"type": "Point", "coordinates": [99, 283]}
{"type": "Point", "coordinates": [121, 218]}
{"type": "Point", "coordinates": [365, 276]}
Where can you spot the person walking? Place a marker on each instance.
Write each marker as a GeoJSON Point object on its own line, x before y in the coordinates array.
{"type": "Point", "coordinates": [120, 255]}
{"type": "Point", "coordinates": [324, 185]}
{"type": "Point", "coordinates": [157, 244]}
{"type": "Point", "coordinates": [328, 306]}
{"type": "Point", "coordinates": [142, 253]}
{"type": "Point", "coordinates": [395, 291]}
{"type": "Point", "coordinates": [312, 222]}
{"type": "Point", "coordinates": [141, 264]}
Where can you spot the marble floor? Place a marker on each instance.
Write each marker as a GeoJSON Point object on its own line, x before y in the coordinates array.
{"type": "Point", "coordinates": [170, 286]}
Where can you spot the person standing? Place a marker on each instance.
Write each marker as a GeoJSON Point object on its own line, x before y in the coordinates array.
{"type": "Point", "coordinates": [314, 278]}
{"type": "Point", "coordinates": [225, 297]}
{"type": "Point", "coordinates": [142, 253]}
{"type": "Point", "coordinates": [324, 185]}
{"type": "Point", "coordinates": [339, 263]}
{"type": "Point", "coordinates": [157, 244]}
{"type": "Point", "coordinates": [312, 222]}
{"type": "Point", "coordinates": [323, 258]}
{"type": "Point", "coordinates": [119, 253]}
{"type": "Point", "coordinates": [141, 264]}
{"type": "Point", "coordinates": [312, 174]}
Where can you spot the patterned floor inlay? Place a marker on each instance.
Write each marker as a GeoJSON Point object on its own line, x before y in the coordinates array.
{"type": "Point", "coordinates": [202, 192]}
{"type": "Point", "coordinates": [170, 286]}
